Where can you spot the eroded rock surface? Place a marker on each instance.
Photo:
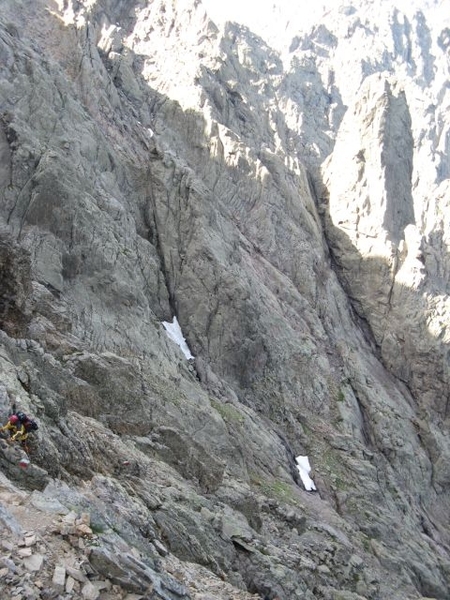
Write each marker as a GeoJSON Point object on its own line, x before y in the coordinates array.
{"type": "Point", "coordinates": [290, 208]}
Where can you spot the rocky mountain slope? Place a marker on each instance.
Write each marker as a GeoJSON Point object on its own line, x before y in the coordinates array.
{"type": "Point", "coordinates": [290, 207]}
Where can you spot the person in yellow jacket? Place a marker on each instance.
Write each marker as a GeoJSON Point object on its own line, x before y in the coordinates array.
{"type": "Point", "coordinates": [16, 428]}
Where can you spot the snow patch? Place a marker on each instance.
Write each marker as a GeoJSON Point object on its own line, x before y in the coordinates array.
{"type": "Point", "coordinates": [174, 332]}
{"type": "Point", "coordinates": [304, 469]}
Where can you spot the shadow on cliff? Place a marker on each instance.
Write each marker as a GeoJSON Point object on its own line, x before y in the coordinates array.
{"type": "Point", "coordinates": [408, 350]}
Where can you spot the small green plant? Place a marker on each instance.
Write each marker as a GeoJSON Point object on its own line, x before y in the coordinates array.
{"type": "Point", "coordinates": [356, 577]}
{"type": "Point", "coordinates": [278, 490]}
{"type": "Point", "coordinates": [340, 396]}
{"type": "Point", "coordinates": [98, 528]}
{"type": "Point", "coordinates": [228, 412]}
{"type": "Point", "coordinates": [394, 492]}
{"type": "Point", "coordinates": [366, 544]}
{"type": "Point", "coordinates": [340, 484]}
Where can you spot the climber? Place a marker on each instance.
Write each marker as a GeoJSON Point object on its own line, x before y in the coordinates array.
{"type": "Point", "coordinates": [19, 425]}
{"type": "Point", "coordinates": [15, 427]}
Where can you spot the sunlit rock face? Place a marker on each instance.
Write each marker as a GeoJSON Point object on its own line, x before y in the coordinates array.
{"type": "Point", "coordinates": [386, 194]}
{"type": "Point", "coordinates": [288, 203]}
{"type": "Point", "coordinates": [383, 238]}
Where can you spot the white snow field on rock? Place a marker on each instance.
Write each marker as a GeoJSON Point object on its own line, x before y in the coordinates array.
{"type": "Point", "coordinates": [174, 332]}
{"type": "Point", "coordinates": [304, 469]}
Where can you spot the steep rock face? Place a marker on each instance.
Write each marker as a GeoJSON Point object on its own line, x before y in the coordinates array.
{"type": "Point", "coordinates": [153, 166]}
{"type": "Point", "coordinates": [387, 207]}
{"type": "Point", "coordinates": [376, 221]}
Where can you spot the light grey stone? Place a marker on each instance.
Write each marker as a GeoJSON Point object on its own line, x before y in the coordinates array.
{"type": "Point", "coordinates": [89, 591]}
{"type": "Point", "coordinates": [59, 578]}
{"type": "Point", "coordinates": [70, 584]}
{"type": "Point", "coordinates": [76, 574]}
{"type": "Point", "coordinates": [47, 504]}
{"type": "Point", "coordinates": [34, 562]}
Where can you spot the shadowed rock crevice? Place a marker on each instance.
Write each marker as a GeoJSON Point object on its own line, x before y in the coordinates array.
{"type": "Point", "coordinates": [15, 286]}
{"type": "Point", "coordinates": [397, 161]}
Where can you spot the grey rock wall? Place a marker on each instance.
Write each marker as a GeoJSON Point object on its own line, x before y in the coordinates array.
{"type": "Point", "coordinates": [153, 165]}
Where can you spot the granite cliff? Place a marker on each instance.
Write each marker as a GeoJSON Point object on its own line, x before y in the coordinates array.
{"type": "Point", "coordinates": [290, 207]}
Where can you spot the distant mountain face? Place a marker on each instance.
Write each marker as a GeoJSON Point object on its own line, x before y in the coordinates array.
{"type": "Point", "coordinates": [386, 174]}
{"type": "Point", "coordinates": [288, 203]}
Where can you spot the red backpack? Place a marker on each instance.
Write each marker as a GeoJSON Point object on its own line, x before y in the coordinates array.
{"type": "Point", "coordinates": [29, 424]}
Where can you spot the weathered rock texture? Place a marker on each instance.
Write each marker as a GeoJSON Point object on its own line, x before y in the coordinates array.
{"type": "Point", "coordinates": [291, 209]}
